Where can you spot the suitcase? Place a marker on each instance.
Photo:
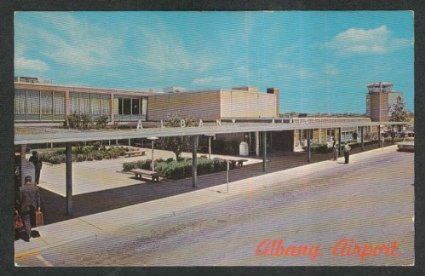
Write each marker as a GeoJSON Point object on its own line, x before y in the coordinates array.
{"type": "Point", "coordinates": [39, 218]}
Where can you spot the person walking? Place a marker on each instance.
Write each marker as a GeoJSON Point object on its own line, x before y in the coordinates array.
{"type": "Point", "coordinates": [335, 150]}
{"type": "Point", "coordinates": [29, 203]}
{"type": "Point", "coordinates": [347, 149]}
{"type": "Point", "coordinates": [36, 160]}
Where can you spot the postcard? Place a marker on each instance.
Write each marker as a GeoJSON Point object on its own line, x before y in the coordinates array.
{"type": "Point", "coordinates": [217, 138]}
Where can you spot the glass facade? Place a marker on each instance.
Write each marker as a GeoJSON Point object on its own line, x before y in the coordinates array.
{"type": "Point", "coordinates": [90, 103]}
{"type": "Point", "coordinates": [35, 105]}
{"type": "Point", "coordinates": [129, 108]}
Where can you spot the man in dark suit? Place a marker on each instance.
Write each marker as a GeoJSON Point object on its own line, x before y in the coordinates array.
{"type": "Point", "coordinates": [36, 160]}
{"type": "Point", "coordinates": [30, 202]}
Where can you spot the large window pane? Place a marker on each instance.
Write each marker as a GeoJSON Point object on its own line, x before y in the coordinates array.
{"type": "Point", "coordinates": [127, 106]}
{"type": "Point", "coordinates": [58, 103]}
{"type": "Point", "coordinates": [84, 103]}
{"type": "Point", "coordinates": [117, 106]}
{"type": "Point", "coordinates": [105, 104]}
{"type": "Point", "coordinates": [74, 103]}
{"type": "Point", "coordinates": [20, 101]}
{"type": "Point", "coordinates": [46, 102]}
{"type": "Point", "coordinates": [95, 104]}
{"type": "Point", "coordinates": [33, 102]}
{"type": "Point", "coordinates": [135, 106]}
{"type": "Point", "coordinates": [144, 106]}
{"type": "Point", "coordinates": [120, 106]}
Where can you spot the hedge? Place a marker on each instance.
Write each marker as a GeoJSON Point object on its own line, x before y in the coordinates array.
{"type": "Point", "coordinates": [83, 153]}
{"type": "Point", "coordinates": [173, 169]}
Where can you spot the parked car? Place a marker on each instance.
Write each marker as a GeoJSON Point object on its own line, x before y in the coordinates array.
{"type": "Point", "coordinates": [408, 144]}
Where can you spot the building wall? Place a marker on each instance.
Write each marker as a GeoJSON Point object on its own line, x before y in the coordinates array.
{"type": "Point", "coordinates": [196, 105]}
{"type": "Point", "coordinates": [244, 104]}
{"type": "Point", "coordinates": [379, 107]}
{"type": "Point", "coordinates": [35, 102]}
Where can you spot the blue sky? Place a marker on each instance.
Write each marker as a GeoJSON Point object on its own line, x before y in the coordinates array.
{"type": "Point", "coordinates": [320, 61]}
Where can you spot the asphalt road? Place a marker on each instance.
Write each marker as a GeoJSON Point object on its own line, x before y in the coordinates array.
{"type": "Point", "coordinates": [369, 201]}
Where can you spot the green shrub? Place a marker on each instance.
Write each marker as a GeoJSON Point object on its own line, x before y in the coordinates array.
{"type": "Point", "coordinates": [146, 165]}
{"type": "Point", "coordinates": [219, 165]}
{"type": "Point", "coordinates": [128, 166]}
{"type": "Point", "coordinates": [80, 158]}
{"type": "Point", "coordinates": [97, 155]}
{"type": "Point", "coordinates": [173, 169]}
{"type": "Point", "coordinates": [159, 160]}
{"type": "Point", "coordinates": [86, 121]}
{"type": "Point", "coordinates": [101, 121]}
{"type": "Point", "coordinates": [89, 157]}
{"type": "Point", "coordinates": [74, 121]}
{"type": "Point", "coordinates": [171, 159]}
{"type": "Point", "coordinates": [319, 148]}
{"type": "Point", "coordinates": [205, 166]}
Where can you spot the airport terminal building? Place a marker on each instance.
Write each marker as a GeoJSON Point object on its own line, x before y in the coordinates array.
{"type": "Point", "coordinates": [44, 103]}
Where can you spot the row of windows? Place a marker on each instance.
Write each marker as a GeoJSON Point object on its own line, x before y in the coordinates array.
{"type": "Point", "coordinates": [130, 106]}
{"type": "Point", "coordinates": [39, 102]}
{"type": "Point", "coordinates": [90, 103]}
{"type": "Point", "coordinates": [40, 105]}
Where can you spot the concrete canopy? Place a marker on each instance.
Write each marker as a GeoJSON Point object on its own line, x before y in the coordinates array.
{"type": "Point", "coordinates": [70, 136]}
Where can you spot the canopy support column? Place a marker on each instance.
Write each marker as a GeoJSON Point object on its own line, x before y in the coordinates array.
{"type": "Point", "coordinates": [362, 136]}
{"type": "Point", "coordinates": [308, 145]}
{"type": "Point", "coordinates": [379, 136]}
{"type": "Point", "coordinates": [339, 141]}
{"type": "Point", "coordinates": [264, 150]}
{"type": "Point", "coordinates": [209, 146]}
{"type": "Point", "coordinates": [69, 179]}
{"type": "Point", "coordinates": [195, 142]}
{"type": "Point", "coordinates": [257, 143]}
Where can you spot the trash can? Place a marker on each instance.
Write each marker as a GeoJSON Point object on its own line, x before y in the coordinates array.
{"type": "Point", "coordinates": [243, 149]}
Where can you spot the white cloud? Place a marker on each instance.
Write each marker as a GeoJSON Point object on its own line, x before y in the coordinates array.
{"type": "Point", "coordinates": [331, 70]}
{"type": "Point", "coordinates": [163, 50]}
{"type": "Point", "coordinates": [292, 70]}
{"type": "Point", "coordinates": [364, 41]}
{"type": "Point", "coordinates": [23, 64]}
{"type": "Point", "coordinates": [78, 45]}
{"type": "Point", "coordinates": [218, 81]}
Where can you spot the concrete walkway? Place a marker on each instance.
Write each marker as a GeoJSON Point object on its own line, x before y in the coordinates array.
{"type": "Point", "coordinates": [95, 176]}
{"type": "Point", "coordinates": [106, 222]}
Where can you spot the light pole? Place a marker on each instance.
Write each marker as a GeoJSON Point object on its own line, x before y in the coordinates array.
{"type": "Point", "coordinates": [227, 175]}
{"type": "Point", "coordinates": [153, 145]}
{"type": "Point", "coordinates": [210, 137]}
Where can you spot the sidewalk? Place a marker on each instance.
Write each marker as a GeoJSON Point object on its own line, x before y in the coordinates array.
{"type": "Point", "coordinates": [97, 224]}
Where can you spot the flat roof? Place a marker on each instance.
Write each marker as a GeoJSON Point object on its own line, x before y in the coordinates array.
{"type": "Point", "coordinates": [74, 88]}
{"type": "Point", "coordinates": [69, 136]}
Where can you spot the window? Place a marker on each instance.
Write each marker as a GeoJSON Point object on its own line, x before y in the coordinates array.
{"type": "Point", "coordinates": [126, 106]}
{"type": "Point", "coordinates": [95, 104]}
{"type": "Point", "coordinates": [58, 103]}
{"type": "Point", "coordinates": [135, 106]}
{"type": "Point", "coordinates": [120, 106]}
{"type": "Point", "coordinates": [46, 102]}
{"type": "Point", "coordinates": [105, 104]}
{"type": "Point", "coordinates": [33, 102]}
{"type": "Point", "coordinates": [20, 101]}
{"type": "Point", "coordinates": [144, 106]}
{"type": "Point", "coordinates": [84, 103]}
{"type": "Point", "coordinates": [74, 103]}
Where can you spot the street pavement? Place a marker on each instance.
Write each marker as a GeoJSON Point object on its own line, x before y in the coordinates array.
{"type": "Point", "coordinates": [369, 201]}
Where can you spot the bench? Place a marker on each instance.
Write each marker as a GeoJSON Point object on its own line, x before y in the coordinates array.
{"type": "Point", "coordinates": [235, 162]}
{"type": "Point", "coordinates": [140, 172]}
{"type": "Point", "coordinates": [241, 161]}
